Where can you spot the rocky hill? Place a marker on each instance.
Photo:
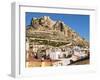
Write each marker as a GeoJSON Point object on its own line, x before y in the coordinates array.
{"type": "Point", "coordinates": [44, 30]}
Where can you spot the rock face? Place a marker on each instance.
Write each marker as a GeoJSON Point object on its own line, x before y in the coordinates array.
{"type": "Point", "coordinates": [42, 23]}
{"type": "Point", "coordinates": [45, 28]}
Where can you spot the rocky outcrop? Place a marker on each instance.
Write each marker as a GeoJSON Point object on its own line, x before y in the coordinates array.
{"type": "Point", "coordinates": [48, 29]}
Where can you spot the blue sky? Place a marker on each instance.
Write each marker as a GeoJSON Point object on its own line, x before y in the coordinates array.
{"type": "Point", "coordinates": [79, 23]}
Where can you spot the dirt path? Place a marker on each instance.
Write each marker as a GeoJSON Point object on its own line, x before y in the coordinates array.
{"type": "Point", "coordinates": [86, 61]}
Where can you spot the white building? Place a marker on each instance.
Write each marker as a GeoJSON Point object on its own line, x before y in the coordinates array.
{"type": "Point", "coordinates": [79, 53]}
{"type": "Point", "coordinates": [55, 53]}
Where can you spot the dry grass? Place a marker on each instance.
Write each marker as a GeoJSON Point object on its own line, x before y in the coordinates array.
{"type": "Point", "coordinates": [46, 63]}
{"type": "Point", "coordinates": [38, 63]}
